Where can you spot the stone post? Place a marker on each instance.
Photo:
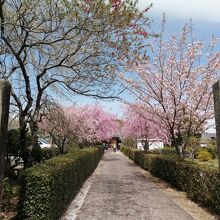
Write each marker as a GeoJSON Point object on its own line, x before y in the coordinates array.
{"type": "Point", "coordinates": [216, 96]}
{"type": "Point", "coordinates": [5, 89]}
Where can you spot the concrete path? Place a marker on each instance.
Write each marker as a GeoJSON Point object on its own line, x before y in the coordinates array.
{"type": "Point", "coordinates": [118, 190]}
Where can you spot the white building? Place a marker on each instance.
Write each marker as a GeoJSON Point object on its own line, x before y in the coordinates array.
{"type": "Point", "coordinates": [46, 143]}
{"type": "Point", "coordinates": [205, 138]}
{"type": "Point", "coordinates": [153, 144]}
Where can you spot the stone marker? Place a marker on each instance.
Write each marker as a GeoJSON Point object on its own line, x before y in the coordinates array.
{"type": "Point", "coordinates": [5, 89]}
{"type": "Point", "coordinates": [216, 95]}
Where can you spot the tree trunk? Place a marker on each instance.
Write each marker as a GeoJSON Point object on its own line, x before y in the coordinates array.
{"type": "Point", "coordinates": [193, 154]}
{"type": "Point", "coordinates": [177, 142]}
{"type": "Point", "coordinates": [25, 152]}
{"type": "Point", "coordinates": [36, 152]}
{"type": "Point", "coordinates": [145, 144]}
{"type": "Point", "coordinates": [180, 151]}
{"type": "Point", "coordinates": [62, 146]}
{"type": "Point", "coordinates": [34, 136]}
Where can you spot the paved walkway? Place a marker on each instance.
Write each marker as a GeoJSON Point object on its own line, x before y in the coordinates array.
{"type": "Point", "coordinates": [118, 190]}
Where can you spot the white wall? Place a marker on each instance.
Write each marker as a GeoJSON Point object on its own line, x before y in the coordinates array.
{"type": "Point", "coordinates": [153, 144]}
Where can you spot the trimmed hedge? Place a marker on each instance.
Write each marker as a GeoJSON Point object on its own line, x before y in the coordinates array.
{"type": "Point", "coordinates": [200, 182]}
{"type": "Point", "coordinates": [48, 153]}
{"type": "Point", "coordinates": [169, 151]}
{"type": "Point", "coordinates": [47, 189]}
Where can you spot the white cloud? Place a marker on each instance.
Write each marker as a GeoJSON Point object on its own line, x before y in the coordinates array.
{"type": "Point", "coordinates": [205, 10]}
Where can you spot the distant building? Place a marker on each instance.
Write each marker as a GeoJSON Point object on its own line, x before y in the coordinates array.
{"type": "Point", "coordinates": [46, 142]}
{"type": "Point", "coordinates": [206, 137]}
{"type": "Point", "coordinates": [153, 144]}
{"type": "Point", "coordinates": [115, 141]}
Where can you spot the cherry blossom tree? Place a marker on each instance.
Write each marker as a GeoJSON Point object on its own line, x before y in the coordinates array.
{"type": "Point", "coordinates": [64, 47]}
{"type": "Point", "coordinates": [83, 125]}
{"type": "Point", "coordinates": [139, 124]}
{"type": "Point", "coordinates": [94, 124]}
{"type": "Point", "coordinates": [175, 84]}
{"type": "Point", "coordinates": [57, 125]}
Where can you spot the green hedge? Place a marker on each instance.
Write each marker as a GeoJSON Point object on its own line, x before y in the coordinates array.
{"type": "Point", "coordinates": [169, 151]}
{"type": "Point", "coordinates": [47, 189]}
{"type": "Point", "coordinates": [200, 182]}
{"type": "Point", "coordinates": [48, 153]}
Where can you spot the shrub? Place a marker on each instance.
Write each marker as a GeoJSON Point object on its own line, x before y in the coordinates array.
{"type": "Point", "coordinates": [212, 151]}
{"type": "Point", "coordinates": [48, 153]}
{"type": "Point", "coordinates": [154, 151]}
{"type": "Point", "coordinates": [36, 153]}
{"type": "Point", "coordinates": [7, 189]}
{"type": "Point", "coordinates": [13, 141]}
{"type": "Point", "coordinates": [200, 182]}
{"type": "Point", "coordinates": [204, 155]}
{"type": "Point", "coordinates": [47, 189]}
{"type": "Point", "coordinates": [9, 198]}
{"type": "Point", "coordinates": [168, 151]}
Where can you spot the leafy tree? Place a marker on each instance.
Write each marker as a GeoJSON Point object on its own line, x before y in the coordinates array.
{"type": "Point", "coordinates": [68, 47]}
{"type": "Point", "coordinates": [13, 150]}
{"type": "Point", "coordinates": [13, 142]}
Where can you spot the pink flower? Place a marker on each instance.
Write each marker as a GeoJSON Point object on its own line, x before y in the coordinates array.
{"type": "Point", "coordinates": [144, 33]}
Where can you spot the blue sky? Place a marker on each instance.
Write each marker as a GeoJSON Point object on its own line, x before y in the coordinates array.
{"type": "Point", "coordinates": [205, 15]}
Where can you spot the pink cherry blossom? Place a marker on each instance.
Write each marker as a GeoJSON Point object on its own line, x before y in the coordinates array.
{"type": "Point", "coordinates": [140, 124]}
{"type": "Point", "coordinates": [82, 124]}
{"type": "Point", "coordinates": [175, 84]}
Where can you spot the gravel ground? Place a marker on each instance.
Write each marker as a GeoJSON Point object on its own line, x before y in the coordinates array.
{"type": "Point", "coordinates": [120, 190]}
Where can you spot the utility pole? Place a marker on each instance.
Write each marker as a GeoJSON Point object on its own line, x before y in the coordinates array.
{"type": "Point", "coordinates": [216, 95]}
{"type": "Point", "coordinates": [5, 90]}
